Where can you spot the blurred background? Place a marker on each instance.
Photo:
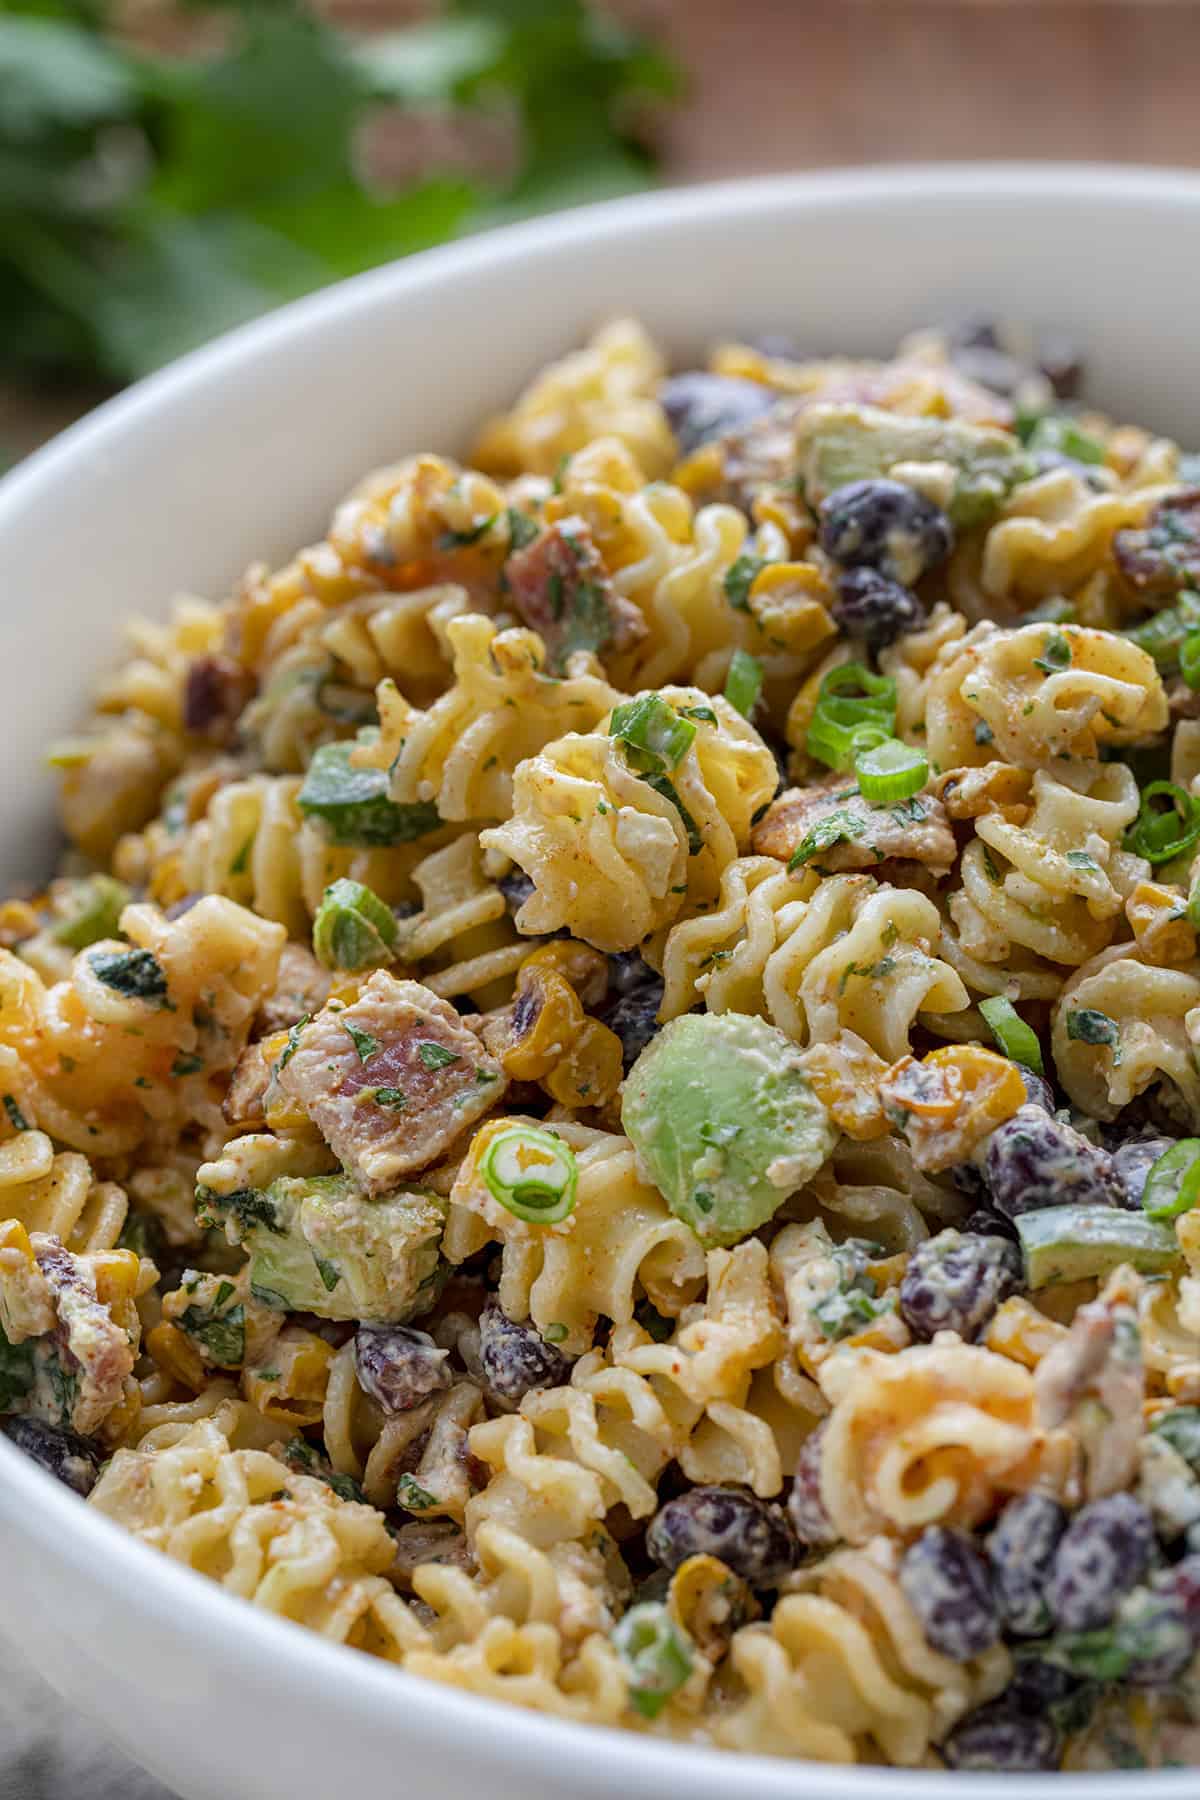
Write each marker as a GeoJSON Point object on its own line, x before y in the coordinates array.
{"type": "Point", "coordinates": [168, 169]}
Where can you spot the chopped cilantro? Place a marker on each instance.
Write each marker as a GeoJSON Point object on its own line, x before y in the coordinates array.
{"type": "Point", "coordinates": [739, 579]}
{"type": "Point", "coordinates": [436, 1056]}
{"type": "Point", "coordinates": [16, 1117]}
{"type": "Point", "coordinates": [835, 828]}
{"type": "Point", "coordinates": [1056, 654]}
{"type": "Point", "coordinates": [458, 540]}
{"type": "Point", "coordinates": [363, 1042]}
{"type": "Point", "coordinates": [134, 973]}
{"type": "Point", "coordinates": [412, 1496]}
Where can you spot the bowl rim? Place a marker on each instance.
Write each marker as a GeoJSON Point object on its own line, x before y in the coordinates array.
{"type": "Point", "coordinates": [95, 1549]}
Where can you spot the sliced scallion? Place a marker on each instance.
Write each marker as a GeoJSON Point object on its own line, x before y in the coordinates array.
{"type": "Point", "coordinates": [1017, 1039]}
{"type": "Point", "coordinates": [654, 735]}
{"type": "Point", "coordinates": [855, 711]}
{"type": "Point", "coordinates": [532, 1173]}
{"type": "Point", "coordinates": [353, 928]}
{"type": "Point", "coordinates": [1173, 1184]}
{"type": "Point", "coordinates": [1189, 660]}
{"type": "Point", "coordinates": [891, 771]}
{"type": "Point", "coordinates": [1160, 833]}
{"type": "Point", "coordinates": [743, 684]}
{"type": "Point", "coordinates": [655, 1653]}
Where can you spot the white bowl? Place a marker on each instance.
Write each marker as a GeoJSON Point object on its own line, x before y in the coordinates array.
{"type": "Point", "coordinates": [239, 452]}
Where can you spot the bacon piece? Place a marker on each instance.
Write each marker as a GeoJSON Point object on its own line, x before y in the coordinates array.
{"type": "Point", "coordinates": [560, 587]}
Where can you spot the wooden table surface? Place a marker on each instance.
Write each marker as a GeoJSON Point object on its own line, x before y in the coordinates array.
{"type": "Point", "coordinates": [795, 84]}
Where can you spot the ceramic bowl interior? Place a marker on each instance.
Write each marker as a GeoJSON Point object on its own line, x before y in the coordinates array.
{"type": "Point", "coordinates": [238, 453]}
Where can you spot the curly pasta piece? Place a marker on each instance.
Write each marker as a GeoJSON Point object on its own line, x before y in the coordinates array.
{"type": "Point", "coordinates": [611, 856]}
{"type": "Point", "coordinates": [462, 936]}
{"type": "Point", "coordinates": [911, 660]}
{"type": "Point", "coordinates": [619, 1241]}
{"type": "Point", "coordinates": [1043, 692]}
{"type": "Point", "coordinates": [1144, 1035]}
{"type": "Point", "coordinates": [103, 1064]}
{"type": "Point", "coordinates": [284, 1541]}
{"type": "Point", "coordinates": [59, 1195]}
{"type": "Point", "coordinates": [502, 708]}
{"type": "Point", "coordinates": [607, 389]}
{"type": "Point", "coordinates": [932, 1435]}
{"type": "Point", "coordinates": [1056, 531]}
{"type": "Point", "coordinates": [524, 1665]}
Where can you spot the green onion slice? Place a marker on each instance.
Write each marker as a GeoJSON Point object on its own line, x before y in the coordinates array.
{"type": "Point", "coordinates": [654, 735]}
{"type": "Point", "coordinates": [656, 1655]}
{"type": "Point", "coordinates": [532, 1173]}
{"type": "Point", "coordinates": [743, 684]}
{"type": "Point", "coordinates": [1189, 660]}
{"type": "Point", "coordinates": [1159, 833]}
{"type": "Point", "coordinates": [1173, 1184]}
{"type": "Point", "coordinates": [1017, 1039]}
{"type": "Point", "coordinates": [353, 928]}
{"type": "Point", "coordinates": [891, 771]}
{"type": "Point", "coordinates": [855, 711]}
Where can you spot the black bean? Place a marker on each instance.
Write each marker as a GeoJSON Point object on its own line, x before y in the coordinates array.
{"type": "Point", "coordinates": [1133, 1161]}
{"type": "Point", "coordinates": [1038, 1091]}
{"type": "Point", "coordinates": [516, 1359]}
{"type": "Point", "coordinates": [1038, 1685]}
{"type": "Point", "coordinates": [700, 406]}
{"type": "Point", "coordinates": [634, 996]}
{"type": "Point", "coordinates": [998, 1737]}
{"type": "Point", "coordinates": [517, 888]}
{"type": "Point", "coordinates": [751, 1537]}
{"type": "Point", "coordinates": [1152, 1627]}
{"type": "Point", "coordinates": [806, 1509]}
{"type": "Point", "coordinates": [948, 1584]}
{"type": "Point", "coordinates": [399, 1367]}
{"type": "Point", "coordinates": [887, 526]}
{"type": "Point", "coordinates": [986, 1223]}
{"type": "Point", "coordinates": [1183, 1580]}
{"type": "Point", "coordinates": [1102, 1554]}
{"type": "Point", "coordinates": [874, 607]}
{"type": "Point", "coordinates": [71, 1459]}
{"type": "Point", "coordinates": [1021, 1551]}
{"type": "Point", "coordinates": [968, 1179]}
{"type": "Point", "coordinates": [955, 1282]}
{"type": "Point", "coordinates": [1035, 1160]}
{"type": "Point", "coordinates": [1060, 361]}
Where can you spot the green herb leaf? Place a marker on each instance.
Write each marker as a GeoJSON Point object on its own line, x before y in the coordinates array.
{"type": "Point", "coordinates": [135, 973]}
{"type": "Point", "coordinates": [412, 1496]}
{"type": "Point", "coordinates": [363, 1042]}
{"type": "Point", "coordinates": [1087, 1025]}
{"type": "Point", "coordinates": [739, 579]}
{"type": "Point", "coordinates": [1056, 654]}
{"type": "Point", "coordinates": [16, 1117]}
{"type": "Point", "coordinates": [436, 1056]}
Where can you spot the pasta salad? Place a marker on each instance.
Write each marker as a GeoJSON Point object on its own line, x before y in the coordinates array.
{"type": "Point", "coordinates": [606, 1103]}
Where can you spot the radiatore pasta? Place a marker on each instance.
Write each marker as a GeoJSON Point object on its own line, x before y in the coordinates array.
{"type": "Point", "coordinates": [604, 1105]}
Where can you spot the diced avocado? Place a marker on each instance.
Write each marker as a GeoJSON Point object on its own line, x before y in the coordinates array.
{"type": "Point", "coordinates": [724, 1121]}
{"type": "Point", "coordinates": [352, 805]}
{"type": "Point", "coordinates": [334, 1252]}
{"type": "Point", "coordinates": [1075, 1243]}
{"type": "Point", "coordinates": [91, 910]}
{"type": "Point", "coordinates": [837, 444]}
{"type": "Point", "coordinates": [1181, 1429]}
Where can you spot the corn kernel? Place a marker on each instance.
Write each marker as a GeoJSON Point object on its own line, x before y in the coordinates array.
{"type": "Point", "coordinates": [1019, 1331]}
{"type": "Point", "coordinates": [586, 969]}
{"type": "Point", "coordinates": [590, 1072]}
{"type": "Point", "coordinates": [117, 1275]}
{"type": "Point", "coordinates": [1158, 917]}
{"type": "Point", "coordinates": [176, 1356]}
{"type": "Point", "coordinates": [545, 1020]}
{"type": "Point", "coordinates": [15, 1239]}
